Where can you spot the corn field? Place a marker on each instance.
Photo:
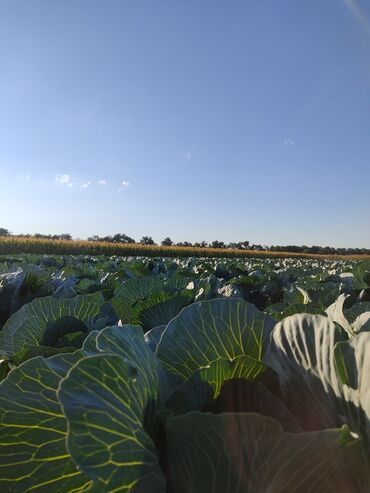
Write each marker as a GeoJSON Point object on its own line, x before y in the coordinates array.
{"type": "Point", "coordinates": [16, 244]}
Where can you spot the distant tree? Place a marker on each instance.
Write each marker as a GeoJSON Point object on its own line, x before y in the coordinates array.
{"type": "Point", "coordinates": [240, 245]}
{"type": "Point", "coordinates": [218, 244]}
{"type": "Point", "coordinates": [184, 244]}
{"type": "Point", "coordinates": [257, 247]}
{"type": "Point", "coordinates": [4, 232]}
{"type": "Point", "coordinates": [243, 245]}
{"type": "Point", "coordinates": [147, 240]}
{"type": "Point", "coordinates": [122, 238]}
{"type": "Point", "coordinates": [63, 236]}
{"type": "Point", "coordinates": [117, 238]}
{"type": "Point", "coordinates": [202, 244]}
{"type": "Point", "coordinates": [167, 242]}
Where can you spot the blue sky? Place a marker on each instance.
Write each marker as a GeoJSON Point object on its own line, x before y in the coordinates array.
{"type": "Point", "coordinates": [205, 119]}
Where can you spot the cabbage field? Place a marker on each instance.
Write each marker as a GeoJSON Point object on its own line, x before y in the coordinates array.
{"type": "Point", "coordinates": [155, 375]}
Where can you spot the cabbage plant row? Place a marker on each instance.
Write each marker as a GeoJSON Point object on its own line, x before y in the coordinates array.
{"type": "Point", "coordinates": [184, 376]}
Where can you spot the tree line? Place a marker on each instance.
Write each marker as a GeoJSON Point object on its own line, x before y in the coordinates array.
{"type": "Point", "coordinates": [148, 240]}
{"type": "Point", "coordinates": [241, 245]}
{"type": "Point", "coordinates": [64, 236]}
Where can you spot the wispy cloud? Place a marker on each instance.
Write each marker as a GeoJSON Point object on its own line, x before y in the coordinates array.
{"type": "Point", "coordinates": [189, 155]}
{"type": "Point", "coordinates": [70, 181]}
{"type": "Point", "coordinates": [25, 178]}
{"type": "Point", "coordinates": [288, 142]}
{"type": "Point", "coordinates": [124, 184]}
{"type": "Point", "coordinates": [63, 179]}
{"type": "Point", "coordinates": [357, 11]}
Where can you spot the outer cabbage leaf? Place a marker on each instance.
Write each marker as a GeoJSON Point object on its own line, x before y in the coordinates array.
{"type": "Point", "coordinates": [296, 295]}
{"type": "Point", "coordinates": [279, 313]}
{"type": "Point", "coordinates": [352, 360]}
{"type": "Point", "coordinates": [89, 344]}
{"type": "Point", "coordinates": [361, 275]}
{"type": "Point", "coordinates": [209, 330]}
{"type": "Point", "coordinates": [153, 336]}
{"type": "Point", "coordinates": [302, 353]}
{"type": "Point", "coordinates": [137, 289]}
{"type": "Point", "coordinates": [250, 453]}
{"type": "Point", "coordinates": [362, 323]}
{"type": "Point", "coordinates": [356, 310]}
{"type": "Point", "coordinates": [241, 395]}
{"type": "Point", "coordinates": [160, 308]}
{"type": "Point", "coordinates": [353, 320]}
{"type": "Point", "coordinates": [128, 341]}
{"type": "Point", "coordinates": [205, 384]}
{"type": "Point", "coordinates": [37, 323]}
{"type": "Point", "coordinates": [322, 294]}
{"type": "Point", "coordinates": [104, 399]}
{"type": "Point", "coordinates": [336, 313]}
{"type": "Point", "coordinates": [122, 308]}
{"type": "Point", "coordinates": [33, 430]}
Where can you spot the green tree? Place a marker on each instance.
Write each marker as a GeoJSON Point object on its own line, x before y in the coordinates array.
{"type": "Point", "coordinates": [218, 244]}
{"type": "Point", "coordinates": [147, 240]}
{"type": "Point", "coordinates": [4, 232]}
{"type": "Point", "coordinates": [65, 236]}
{"type": "Point", "coordinates": [167, 242]}
{"type": "Point", "coordinates": [122, 238]}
